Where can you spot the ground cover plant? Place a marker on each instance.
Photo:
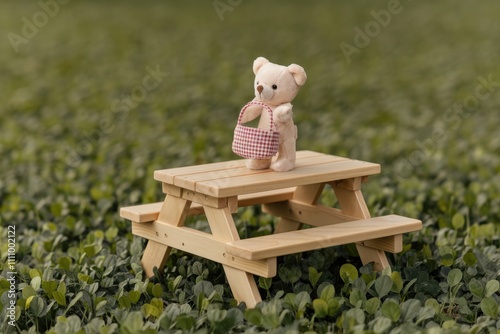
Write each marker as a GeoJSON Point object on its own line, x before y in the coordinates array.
{"type": "Point", "coordinates": [97, 95]}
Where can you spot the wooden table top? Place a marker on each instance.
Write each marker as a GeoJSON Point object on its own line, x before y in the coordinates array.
{"type": "Point", "coordinates": [232, 178]}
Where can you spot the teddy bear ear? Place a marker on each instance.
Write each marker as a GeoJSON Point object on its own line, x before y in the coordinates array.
{"type": "Point", "coordinates": [298, 74]}
{"type": "Point", "coordinates": [257, 64]}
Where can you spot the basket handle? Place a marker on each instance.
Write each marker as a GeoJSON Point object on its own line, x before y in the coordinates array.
{"type": "Point", "coordinates": [263, 105]}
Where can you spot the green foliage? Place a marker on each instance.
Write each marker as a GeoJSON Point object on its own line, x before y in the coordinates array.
{"type": "Point", "coordinates": [71, 158]}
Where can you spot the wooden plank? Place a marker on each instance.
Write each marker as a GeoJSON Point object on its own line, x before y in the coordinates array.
{"type": "Point", "coordinates": [241, 282]}
{"type": "Point", "coordinates": [308, 194]}
{"type": "Point", "coordinates": [155, 255]}
{"type": "Point", "coordinates": [173, 212]}
{"type": "Point", "coordinates": [224, 178]}
{"type": "Point", "coordinates": [141, 213]}
{"type": "Point", "coordinates": [221, 223]}
{"type": "Point", "coordinates": [371, 255]}
{"type": "Point", "coordinates": [392, 244]}
{"type": "Point", "coordinates": [266, 197]}
{"type": "Point", "coordinates": [168, 175]}
{"type": "Point", "coordinates": [214, 202]}
{"type": "Point", "coordinates": [243, 286]}
{"type": "Point", "coordinates": [315, 215]}
{"type": "Point", "coordinates": [351, 201]}
{"type": "Point", "coordinates": [149, 212]}
{"type": "Point", "coordinates": [326, 172]}
{"type": "Point", "coordinates": [321, 237]}
{"type": "Point", "coordinates": [319, 215]}
{"type": "Point", "coordinates": [198, 243]}
{"type": "Point", "coordinates": [203, 199]}
{"type": "Point", "coordinates": [170, 189]}
{"type": "Point", "coordinates": [349, 184]}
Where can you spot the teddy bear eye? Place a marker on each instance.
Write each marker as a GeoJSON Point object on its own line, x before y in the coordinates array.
{"type": "Point", "coordinates": [275, 87]}
{"type": "Point", "coordinates": [257, 82]}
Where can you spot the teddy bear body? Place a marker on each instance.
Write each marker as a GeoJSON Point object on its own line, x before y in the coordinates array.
{"type": "Point", "coordinates": [276, 86]}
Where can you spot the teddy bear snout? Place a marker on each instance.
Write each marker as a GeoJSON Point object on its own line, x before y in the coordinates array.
{"type": "Point", "coordinates": [264, 92]}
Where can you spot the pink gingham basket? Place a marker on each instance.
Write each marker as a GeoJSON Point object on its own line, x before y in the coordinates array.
{"type": "Point", "coordinates": [255, 143]}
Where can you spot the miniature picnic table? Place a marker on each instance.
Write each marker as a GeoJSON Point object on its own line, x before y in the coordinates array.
{"type": "Point", "coordinates": [219, 189]}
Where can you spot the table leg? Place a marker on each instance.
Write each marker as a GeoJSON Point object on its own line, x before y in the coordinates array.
{"type": "Point", "coordinates": [376, 256]}
{"type": "Point", "coordinates": [173, 212]}
{"type": "Point", "coordinates": [155, 255]}
{"type": "Point", "coordinates": [308, 194]}
{"type": "Point", "coordinates": [350, 198]}
{"type": "Point", "coordinates": [242, 283]}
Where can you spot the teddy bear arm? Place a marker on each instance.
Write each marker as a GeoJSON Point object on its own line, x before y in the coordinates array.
{"type": "Point", "coordinates": [283, 112]}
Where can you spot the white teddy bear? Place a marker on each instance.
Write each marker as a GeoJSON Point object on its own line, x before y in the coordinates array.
{"type": "Point", "coordinates": [276, 86]}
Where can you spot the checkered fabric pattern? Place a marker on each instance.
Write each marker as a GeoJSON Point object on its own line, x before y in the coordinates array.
{"type": "Point", "coordinates": [255, 143]}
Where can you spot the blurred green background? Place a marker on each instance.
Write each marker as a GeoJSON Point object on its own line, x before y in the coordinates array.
{"type": "Point", "coordinates": [72, 151]}
{"type": "Point", "coordinates": [392, 94]}
{"type": "Point", "coordinates": [377, 105]}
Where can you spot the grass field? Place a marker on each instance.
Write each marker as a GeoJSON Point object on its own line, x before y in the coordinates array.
{"type": "Point", "coordinates": [95, 96]}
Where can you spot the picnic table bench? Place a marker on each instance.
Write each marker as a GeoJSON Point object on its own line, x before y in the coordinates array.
{"type": "Point", "coordinates": [217, 190]}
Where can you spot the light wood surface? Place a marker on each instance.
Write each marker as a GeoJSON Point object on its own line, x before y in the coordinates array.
{"type": "Point", "coordinates": [155, 255]}
{"type": "Point", "coordinates": [305, 194]}
{"type": "Point", "coordinates": [198, 243]}
{"type": "Point", "coordinates": [168, 175]}
{"type": "Point", "coordinates": [352, 202]}
{"type": "Point", "coordinates": [241, 282]}
{"type": "Point", "coordinates": [315, 215]}
{"type": "Point", "coordinates": [233, 178]}
{"type": "Point", "coordinates": [350, 198]}
{"type": "Point", "coordinates": [391, 244]}
{"type": "Point", "coordinates": [173, 212]}
{"type": "Point", "coordinates": [218, 189]}
{"type": "Point", "coordinates": [321, 237]}
{"type": "Point", "coordinates": [296, 177]}
{"type": "Point", "coordinates": [149, 212]}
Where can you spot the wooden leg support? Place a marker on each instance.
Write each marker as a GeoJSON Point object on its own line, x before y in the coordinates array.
{"type": "Point", "coordinates": [155, 255]}
{"type": "Point", "coordinates": [242, 283]}
{"type": "Point", "coordinates": [308, 194]}
{"type": "Point", "coordinates": [243, 286]}
{"type": "Point", "coordinates": [376, 256]}
{"type": "Point", "coordinates": [352, 203]}
{"type": "Point", "coordinates": [173, 211]}
{"type": "Point", "coordinates": [176, 206]}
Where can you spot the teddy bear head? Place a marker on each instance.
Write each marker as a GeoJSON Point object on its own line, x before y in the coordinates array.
{"type": "Point", "coordinates": [277, 84]}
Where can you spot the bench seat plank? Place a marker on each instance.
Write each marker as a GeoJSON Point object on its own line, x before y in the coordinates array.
{"type": "Point", "coordinates": [320, 237]}
{"type": "Point", "coordinates": [149, 212]}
